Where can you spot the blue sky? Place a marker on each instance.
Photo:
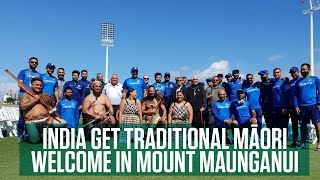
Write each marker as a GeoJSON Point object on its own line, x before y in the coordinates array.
{"type": "Point", "coordinates": [185, 37]}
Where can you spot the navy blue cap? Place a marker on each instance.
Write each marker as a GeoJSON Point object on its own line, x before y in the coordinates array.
{"type": "Point", "coordinates": [209, 80]}
{"type": "Point", "coordinates": [228, 75]}
{"type": "Point", "coordinates": [235, 71]}
{"type": "Point", "coordinates": [134, 69]}
{"type": "Point", "coordinates": [293, 69]}
{"type": "Point", "coordinates": [166, 74]}
{"type": "Point", "coordinates": [263, 72]}
{"type": "Point", "coordinates": [240, 91]}
{"type": "Point", "coordinates": [220, 75]}
{"type": "Point", "coordinates": [49, 65]}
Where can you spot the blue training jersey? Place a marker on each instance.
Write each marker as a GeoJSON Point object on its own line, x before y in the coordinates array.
{"type": "Point", "coordinates": [50, 83]}
{"type": "Point", "coordinates": [167, 93]}
{"type": "Point", "coordinates": [253, 96]}
{"type": "Point", "coordinates": [221, 111]}
{"type": "Point", "coordinates": [307, 91]}
{"type": "Point", "coordinates": [281, 93]}
{"type": "Point", "coordinates": [292, 83]}
{"type": "Point", "coordinates": [241, 111]}
{"type": "Point", "coordinates": [77, 90]}
{"type": "Point", "coordinates": [159, 87]}
{"type": "Point", "coordinates": [68, 110]}
{"type": "Point", "coordinates": [135, 83]}
{"type": "Point", "coordinates": [26, 76]}
{"type": "Point", "coordinates": [85, 87]}
{"type": "Point", "coordinates": [232, 87]}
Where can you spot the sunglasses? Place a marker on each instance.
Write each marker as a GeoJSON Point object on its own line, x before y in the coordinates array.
{"type": "Point", "coordinates": [146, 78]}
{"type": "Point", "coordinates": [33, 62]}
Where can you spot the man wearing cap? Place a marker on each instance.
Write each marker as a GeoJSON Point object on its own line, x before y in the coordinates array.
{"type": "Point", "coordinates": [234, 85]}
{"type": "Point", "coordinates": [253, 94]}
{"type": "Point", "coordinates": [307, 103]}
{"type": "Point", "coordinates": [266, 97]}
{"type": "Point", "coordinates": [158, 85]}
{"type": "Point", "coordinates": [241, 111]}
{"type": "Point", "coordinates": [136, 83]}
{"type": "Point", "coordinates": [281, 96]}
{"type": "Point", "coordinates": [220, 76]}
{"type": "Point", "coordinates": [294, 71]}
{"type": "Point", "coordinates": [169, 86]}
{"type": "Point", "coordinates": [25, 76]}
{"type": "Point", "coordinates": [50, 83]}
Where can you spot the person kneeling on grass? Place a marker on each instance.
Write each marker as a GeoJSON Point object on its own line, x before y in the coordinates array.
{"type": "Point", "coordinates": [68, 109]}
{"type": "Point", "coordinates": [242, 112]}
{"type": "Point", "coordinates": [36, 113]}
{"type": "Point", "coordinates": [222, 116]}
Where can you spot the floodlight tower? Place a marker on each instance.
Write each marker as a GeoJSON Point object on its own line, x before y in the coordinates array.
{"type": "Point", "coordinates": [313, 6]}
{"type": "Point", "coordinates": [107, 37]}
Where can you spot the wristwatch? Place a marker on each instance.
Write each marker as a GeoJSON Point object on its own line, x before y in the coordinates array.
{"type": "Point", "coordinates": [110, 113]}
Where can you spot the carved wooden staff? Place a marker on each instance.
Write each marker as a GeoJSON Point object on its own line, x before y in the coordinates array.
{"type": "Point", "coordinates": [27, 90]}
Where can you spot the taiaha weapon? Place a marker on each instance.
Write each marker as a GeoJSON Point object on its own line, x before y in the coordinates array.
{"type": "Point", "coordinates": [28, 91]}
{"type": "Point", "coordinates": [92, 121]}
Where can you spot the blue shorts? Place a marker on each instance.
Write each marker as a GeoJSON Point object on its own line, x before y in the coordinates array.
{"type": "Point", "coordinates": [309, 112]}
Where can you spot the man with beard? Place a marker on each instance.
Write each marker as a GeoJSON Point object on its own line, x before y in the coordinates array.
{"type": "Point", "coordinates": [100, 78]}
{"type": "Point", "coordinates": [25, 76]}
{"type": "Point", "coordinates": [36, 114]}
{"type": "Point", "coordinates": [212, 96]}
{"type": "Point", "coordinates": [266, 97]}
{"type": "Point", "coordinates": [307, 103]}
{"type": "Point", "coordinates": [136, 83]}
{"type": "Point", "coordinates": [280, 91]}
{"type": "Point", "coordinates": [61, 82]}
{"type": "Point", "coordinates": [150, 109]}
{"type": "Point", "coordinates": [84, 83]}
{"type": "Point", "coordinates": [97, 107]}
{"type": "Point", "coordinates": [169, 86]}
{"type": "Point", "coordinates": [234, 85]}
{"type": "Point", "coordinates": [68, 110]}
{"type": "Point", "coordinates": [77, 89]}
{"type": "Point", "coordinates": [158, 85]}
{"type": "Point", "coordinates": [50, 83]}
{"type": "Point", "coordinates": [253, 93]}
{"type": "Point", "coordinates": [196, 96]}
{"type": "Point", "coordinates": [294, 71]}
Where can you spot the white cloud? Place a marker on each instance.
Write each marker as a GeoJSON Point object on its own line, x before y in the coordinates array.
{"type": "Point", "coordinates": [184, 68]}
{"type": "Point", "coordinates": [276, 57]}
{"type": "Point", "coordinates": [215, 68]}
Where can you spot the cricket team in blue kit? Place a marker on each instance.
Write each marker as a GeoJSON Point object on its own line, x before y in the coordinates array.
{"type": "Point", "coordinates": [241, 102]}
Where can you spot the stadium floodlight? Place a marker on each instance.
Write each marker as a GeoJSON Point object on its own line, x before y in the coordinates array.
{"type": "Point", "coordinates": [107, 37]}
{"type": "Point", "coordinates": [312, 7]}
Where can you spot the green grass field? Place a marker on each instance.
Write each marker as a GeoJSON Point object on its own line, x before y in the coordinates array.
{"type": "Point", "coordinates": [9, 167]}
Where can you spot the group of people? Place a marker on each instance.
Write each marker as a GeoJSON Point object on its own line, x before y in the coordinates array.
{"type": "Point", "coordinates": [234, 103]}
